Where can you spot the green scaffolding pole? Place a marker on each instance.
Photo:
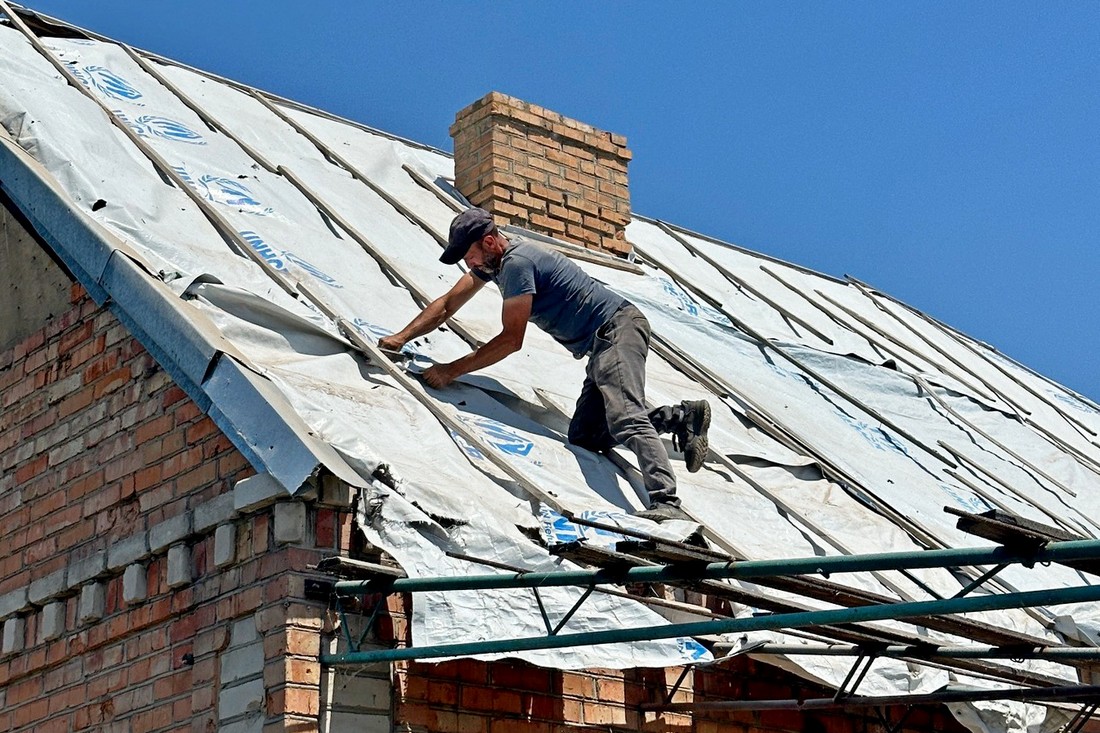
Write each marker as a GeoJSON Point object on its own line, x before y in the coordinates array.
{"type": "Point", "coordinates": [893, 611]}
{"type": "Point", "coordinates": [932, 651]}
{"type": "Point", "coordinates": [1055, 552]}
{"type": "Point", "coordinates": [1059, 552]}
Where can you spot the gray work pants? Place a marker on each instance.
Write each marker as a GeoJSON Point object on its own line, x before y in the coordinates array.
{"type": "Point", "coordinates": [611, 409]}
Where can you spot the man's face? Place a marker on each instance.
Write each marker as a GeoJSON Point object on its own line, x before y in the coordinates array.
{"type": "Point", "coordinates": [484, 256]}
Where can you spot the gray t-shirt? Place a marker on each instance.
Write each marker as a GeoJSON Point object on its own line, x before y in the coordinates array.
{"type": "Point", "coordinates": [568, 304]}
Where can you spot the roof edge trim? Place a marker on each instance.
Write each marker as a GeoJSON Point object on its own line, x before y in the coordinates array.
{"type": "Point", "coordinates": [256, 417]}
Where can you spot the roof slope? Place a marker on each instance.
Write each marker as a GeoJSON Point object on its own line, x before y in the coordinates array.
{"type": "Point", "coordinates": [219, 224]}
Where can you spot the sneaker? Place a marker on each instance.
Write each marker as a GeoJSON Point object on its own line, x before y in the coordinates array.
{"type": "Point", "coordinates": [661, 511]}
{"type": "Point", "coordinates": [690, 436]}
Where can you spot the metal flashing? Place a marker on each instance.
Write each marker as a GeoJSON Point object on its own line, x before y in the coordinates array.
{"type": "Point", "coordinates": [182, 335]}
{"type": "Point", "coordinates": [255, 416]}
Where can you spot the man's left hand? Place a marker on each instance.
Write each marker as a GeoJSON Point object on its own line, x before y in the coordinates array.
{"type": "Point", "coordinates": [439, 375]}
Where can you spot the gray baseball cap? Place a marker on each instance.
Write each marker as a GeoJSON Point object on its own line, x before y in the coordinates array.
{"type": "Point", "coordinates": [466, 228]}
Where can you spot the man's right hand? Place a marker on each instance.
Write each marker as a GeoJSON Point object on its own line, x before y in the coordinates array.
{"type": "Point", "coordinates": [390, 343]}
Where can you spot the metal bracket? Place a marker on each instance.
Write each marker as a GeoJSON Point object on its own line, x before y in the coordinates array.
{"type": "Point", "coordinates": [553, 630]}
{"type": "Point", "coordinates": [843, 690]}
{"type": "Point", "coordinates": [356, 645]}
{"type": "Point", "coordinates": [748, 648]}
{"type": "Point", "coordinates": [980, 579]}
{"type": "Point", "coordinates": [1080, 718]}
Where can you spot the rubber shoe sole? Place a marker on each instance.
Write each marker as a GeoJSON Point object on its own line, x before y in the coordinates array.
{"type": "Point", "coordinates": [662, 512]}
{"type": "Point", "coordinates": [697, 446]}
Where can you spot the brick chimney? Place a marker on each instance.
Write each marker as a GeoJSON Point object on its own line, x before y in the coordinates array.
{"type": "Point", "coordinates": [536, 169]}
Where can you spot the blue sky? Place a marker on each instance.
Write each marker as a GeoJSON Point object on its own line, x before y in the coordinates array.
{"type": "Point", "coordinates": [946, 153]}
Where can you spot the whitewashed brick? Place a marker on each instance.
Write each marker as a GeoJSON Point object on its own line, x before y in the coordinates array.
{"type": "Point", "coordinates": [214, 512]}
{"type": "Point", "coordinates": [48, 587]}
{"type": "Point", "coordinates": [253, 723]}
{"type": "Point", "coordinates": [358, 722]}
{"type": "Point", "coordinates": [127, 551]}
{"type": "Point", "coordinates": [81, 571]}
{"type": "Point", "coordinates": [13, 602]}
{"type": "Point", "coordinates": [179, 566]}
{"type": "Point", "coordinates": [14, 630]}
{"type": "Point", "coordinates": [64, 452]}
{"type": "Point", "coordinates": [242, 662]}
{"type": "Point", "coordinates": [93, 601]}
{"type": "Point", "coordinates": [225, 545]}
{"type": "Point", "coordinates": [51, 625]}
{"type": "Point", "coordinates": [243, 632]}
{"type": "Point", "coordinates": [290, 522]}
{"type": "Point", "coordinates": [256, 492]}
{"type": "Point", "coordinates": [240, 699]}
{"type": "Point", "coordinates": [169, 532]}
{"type": "Point", "coordinates": [335, 492]}
{"type": "Point", "coordinates": [133, 584]}
{"type": "Point", "coordinates": [350, 689]}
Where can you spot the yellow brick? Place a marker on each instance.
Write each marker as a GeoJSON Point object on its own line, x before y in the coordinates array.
{"type": "Point", "coordinates": [548, 166]}
{"type": "Point", "coordinates": [547, 193]}
{"type": "Point", "coordinates": [557, 183]}
{"type": "Point", "coordinates": [530, 174]}
{"type": "Point", "coordinates": [568, 215]}
{"type": "Point", "coordinates": [528, 202]}
{"type": "Point", "coordinates": [545, 222]}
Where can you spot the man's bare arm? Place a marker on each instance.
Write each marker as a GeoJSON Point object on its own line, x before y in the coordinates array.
{"type": "Point", "coordinates": [514, 317]}
{"type": "Point", "coordinates": [435, 313]}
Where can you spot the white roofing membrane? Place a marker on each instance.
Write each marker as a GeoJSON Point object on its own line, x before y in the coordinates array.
{"type": "Point", "coordinates": [935, 388]}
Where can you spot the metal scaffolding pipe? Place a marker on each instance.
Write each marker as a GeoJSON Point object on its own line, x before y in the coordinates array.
{"type": "Point", "coordinates": [1031, 694]}
{"type": "Point", "coordinates": [922, 651]}
{"type": "Point", "coordinates": [771, 622]}
{"type": "Point", "coordinates": [1053, 552]}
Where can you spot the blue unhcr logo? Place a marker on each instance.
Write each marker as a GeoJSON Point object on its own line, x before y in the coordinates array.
{"type": "Point", "coordinates": [108, 83]}
{"type": "Point", "coordinates": [224, 191]}
{"type": "Point", "coordinates": [264, 249]}
{"type": "Point", "coordinates": [557, 529]}
{"type": "Point", "coordinates": [500, 435]}
{"type": "Point", "coordinates": [687, 304]}
{"type": "Point", "coordinates": [311, 269]}
{"type": "Point", "coordinates": [683, 301]}
{"type": "Point", "coordinates": [162, 127]}
{"type": "Point", "coordinates": [470, 450]}
{"type": "Point", "coordinates": [373, 332]}
{"type": "Point", "coordinates": [877, 437]}
{"type": "Point", "coordinates": [693, 649]}
{"type": "Point", "coordinates": [229, 192]}
{"type": "Point", "coordinates": [1071, 401]}
{"type": "Point", "coordinates": [278, 259]}
{"type": "Point", "coordinates": [966, 500]}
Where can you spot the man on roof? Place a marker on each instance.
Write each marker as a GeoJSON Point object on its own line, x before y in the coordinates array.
{"type": "Point", "coordinates": [588, 319]}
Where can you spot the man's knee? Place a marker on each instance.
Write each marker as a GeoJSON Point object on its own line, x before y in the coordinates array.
{"type": "Point", "coordinates": [589, 440]}
{"type": "Point", "coordinates": [631, 426]}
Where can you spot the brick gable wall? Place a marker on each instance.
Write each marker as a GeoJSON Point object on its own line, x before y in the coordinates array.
{"type": "Point", "coordinates": [133, 596]}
